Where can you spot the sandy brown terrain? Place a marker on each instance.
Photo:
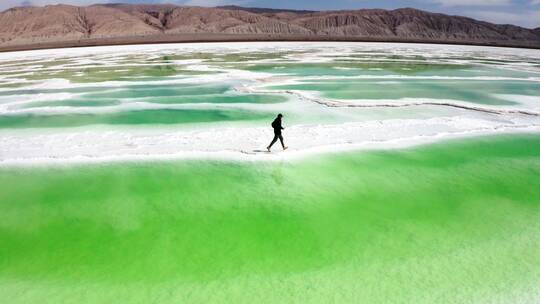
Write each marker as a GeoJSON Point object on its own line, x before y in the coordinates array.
{"type": "Point", "coordinates": [71, 26]}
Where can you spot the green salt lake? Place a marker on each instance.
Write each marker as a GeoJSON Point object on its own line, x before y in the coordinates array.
{"type": "Point", "coordinates": [439, 223]}
{"type": "Point", "coordinates": [135, 174]}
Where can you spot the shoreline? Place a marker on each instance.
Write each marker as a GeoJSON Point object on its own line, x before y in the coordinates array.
{"type": "Point", "coordinates": [212, 38]}
{"type": "Point", "coordinates": [258, 155]}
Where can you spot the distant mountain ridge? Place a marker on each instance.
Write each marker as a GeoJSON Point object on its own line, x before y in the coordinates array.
{"type": "Point", "coordinates": [67, 25]}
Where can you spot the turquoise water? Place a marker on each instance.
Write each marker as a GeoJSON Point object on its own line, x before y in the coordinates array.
{"type": "Point", "coordinates": [112, 82]}
{"type": "Point", "coordinates": [436, 90]}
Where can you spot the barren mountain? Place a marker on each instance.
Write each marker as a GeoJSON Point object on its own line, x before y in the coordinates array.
{"type": "Point", "coordinates": [66, 25]}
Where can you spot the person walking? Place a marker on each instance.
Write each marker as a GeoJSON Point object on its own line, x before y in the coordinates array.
{"type": "Point", "coordinates": [276, 125]}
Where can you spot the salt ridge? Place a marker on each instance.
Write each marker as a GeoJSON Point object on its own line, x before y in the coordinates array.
{"type": "Point", "coordinates": [240, 143]}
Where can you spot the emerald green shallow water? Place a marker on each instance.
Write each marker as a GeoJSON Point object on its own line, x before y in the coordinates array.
{"type": "Point", "coordinates": [138, 117]}
{"type": "Point", "coordinates": [451, 222]}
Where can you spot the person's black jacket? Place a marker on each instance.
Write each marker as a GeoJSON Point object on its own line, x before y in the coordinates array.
{"type": "Point", "coordinates": [276, 124]}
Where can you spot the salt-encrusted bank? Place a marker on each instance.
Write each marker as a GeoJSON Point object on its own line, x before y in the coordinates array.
{"type": "Point", "coordinates": [216, 100]}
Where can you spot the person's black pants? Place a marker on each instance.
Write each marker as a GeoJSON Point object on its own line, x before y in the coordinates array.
{"type": "Point", "coordinates": [276, 136]}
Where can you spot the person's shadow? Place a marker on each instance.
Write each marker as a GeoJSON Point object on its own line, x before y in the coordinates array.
{"type": "Point", "coordinates": [277, 174]}
{"type": "Point", "coordinates": [259, 151]}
